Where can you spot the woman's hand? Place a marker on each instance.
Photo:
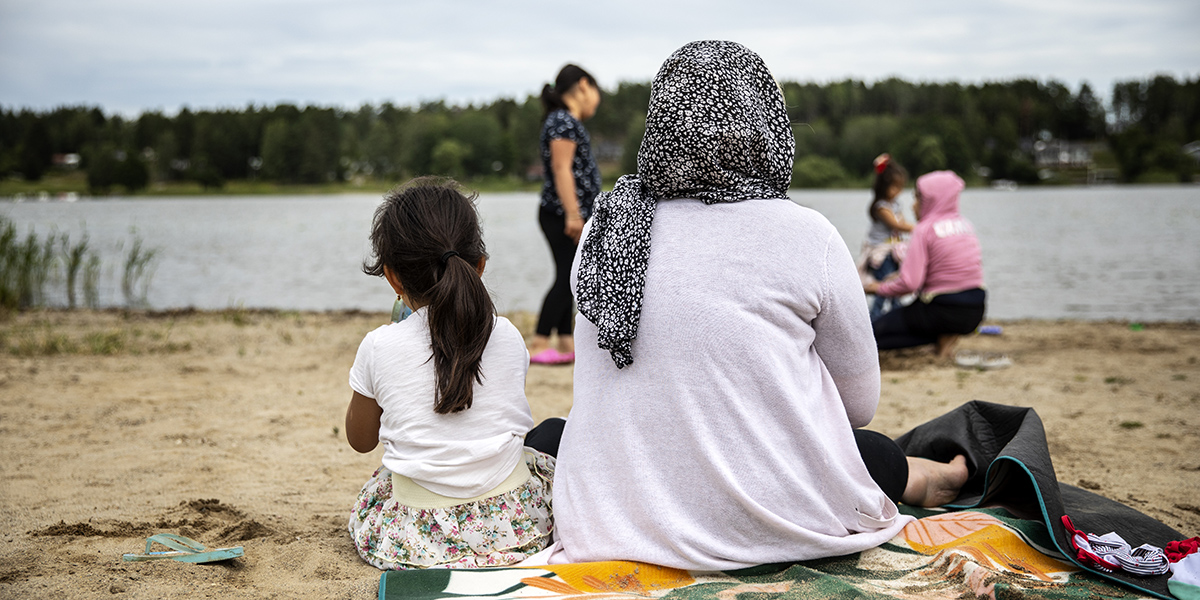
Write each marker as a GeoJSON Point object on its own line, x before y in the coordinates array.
{"type": "Point", "coordinates": [562, 153]}
{"type": "Point", "coordinates": [894, 221]}
{"type": "Point", "coordinates": [871, 288]}
{"type": "Point", "coordinates": [574, 227]}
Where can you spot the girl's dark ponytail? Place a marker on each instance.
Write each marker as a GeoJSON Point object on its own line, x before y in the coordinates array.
{"type": "Point", "coordinates": [568, 76]}
{"type": "Point", "coordinates": [427, 233]}
{"type": "Point", "coordinates": [461, 319]}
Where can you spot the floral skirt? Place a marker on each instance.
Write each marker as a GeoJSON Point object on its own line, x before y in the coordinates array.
{"type": "Point", "coordinates": [495, 531]}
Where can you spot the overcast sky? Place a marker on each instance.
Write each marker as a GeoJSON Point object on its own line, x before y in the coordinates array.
{"type": "Point", "coordinates": [134, 55]}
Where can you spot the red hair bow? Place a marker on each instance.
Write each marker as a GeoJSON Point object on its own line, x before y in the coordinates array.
{"type": "Point", "coordinates": [881, 162]}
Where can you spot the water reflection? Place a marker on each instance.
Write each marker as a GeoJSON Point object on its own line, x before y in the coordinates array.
{"type": "Point", "coordinates": [1123, 253]}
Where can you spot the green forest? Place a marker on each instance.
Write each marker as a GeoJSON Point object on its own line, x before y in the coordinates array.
{"type": "Point", "coordinates": [1025, 131]}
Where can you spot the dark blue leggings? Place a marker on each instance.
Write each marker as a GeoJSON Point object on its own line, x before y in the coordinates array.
{"type": "Point", "coordinates": [885, 462]}
{"type": "Point", "coordinates": [921, 323]}
{"type": "Point", "coordinates": [545, 437]}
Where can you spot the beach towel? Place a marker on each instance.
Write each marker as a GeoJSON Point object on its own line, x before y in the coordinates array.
{"type": "Point", "coordinates": [985, 553]}
{"type": "Point", "coordinates": [1015, 547]}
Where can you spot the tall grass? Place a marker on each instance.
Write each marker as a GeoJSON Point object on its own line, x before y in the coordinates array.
{"type": "Point", "coordinates": [25, 266]}
{"type": "Point", "coordinates": [91, 282]}
{"type": "Point", "coordinates": [9, 293]}
{"type": "Point", "coordinates": [73, 255]}
{"type": "Point", "coordinates": [28, 264]}
{"type": "Point", "coordinates": [135, 284]}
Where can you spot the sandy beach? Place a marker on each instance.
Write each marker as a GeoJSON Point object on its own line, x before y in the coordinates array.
{"type": "Point", "coordinates": [227, 427]}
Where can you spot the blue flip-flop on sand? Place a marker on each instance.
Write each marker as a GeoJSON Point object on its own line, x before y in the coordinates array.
{"type": "Point", "coordinates": [182, 549]}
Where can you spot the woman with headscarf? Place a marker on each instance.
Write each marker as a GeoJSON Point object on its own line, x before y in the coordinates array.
{"type": "Point", "coordinates": [944, 267]}
{"type": "Point", "coordinates": [724, 353]}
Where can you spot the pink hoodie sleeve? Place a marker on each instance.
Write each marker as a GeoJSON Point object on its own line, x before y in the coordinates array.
{"type": "Point", "coordinates": [912, 270]}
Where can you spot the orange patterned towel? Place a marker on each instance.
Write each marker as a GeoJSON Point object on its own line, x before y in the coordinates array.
{"type": "Point", "coordinates": [985, 553]}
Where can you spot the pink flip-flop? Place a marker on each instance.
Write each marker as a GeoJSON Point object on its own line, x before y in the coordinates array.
{"type": "Point", "coordinates": [551, 356]}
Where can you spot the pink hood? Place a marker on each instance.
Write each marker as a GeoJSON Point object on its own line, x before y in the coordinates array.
{"type": "Point", "coordinates": [939, 194]}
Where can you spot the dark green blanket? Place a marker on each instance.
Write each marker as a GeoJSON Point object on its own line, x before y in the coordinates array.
{"type": "Point", "coordinates": [1010, 466]}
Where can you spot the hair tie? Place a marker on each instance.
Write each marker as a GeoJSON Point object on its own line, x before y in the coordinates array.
{"type": "Point", "coordinates": [446, 257]}
{"type": "Point", "coordinates": [881, 162]}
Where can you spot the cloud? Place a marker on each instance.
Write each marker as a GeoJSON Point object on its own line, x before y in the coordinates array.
{"type": "Point", "coordinates": [131, 55]}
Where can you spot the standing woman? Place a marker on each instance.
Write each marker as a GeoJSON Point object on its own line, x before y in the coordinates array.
{"type": "Point", "coordinates": [571, 185]}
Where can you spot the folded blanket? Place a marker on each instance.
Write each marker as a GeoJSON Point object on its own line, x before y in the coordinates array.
{"type": "Point", "coordinates": [1010, 466]}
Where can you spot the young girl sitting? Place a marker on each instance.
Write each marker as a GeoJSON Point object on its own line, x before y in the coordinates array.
{"type": "Point", "coordinates": [444, 390]}
{"type": "Point", "coordinates": [887, 223]}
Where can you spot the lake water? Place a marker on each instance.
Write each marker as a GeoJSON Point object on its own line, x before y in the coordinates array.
{"type": "Point", "coordinates": [1082, 253]}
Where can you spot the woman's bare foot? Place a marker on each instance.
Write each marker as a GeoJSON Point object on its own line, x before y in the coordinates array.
{"type": "Point", "coordinates": [566, 344]}
{"type": "Point", "coordinates": [538, 344]}
{"type": "Point", "coordinates": [945, 345]}
{"type": "Point", "coordinates": [931, 483]}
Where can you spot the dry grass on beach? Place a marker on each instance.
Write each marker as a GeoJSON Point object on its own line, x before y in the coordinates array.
{"type": "Point", "coordinates": [226, 427]}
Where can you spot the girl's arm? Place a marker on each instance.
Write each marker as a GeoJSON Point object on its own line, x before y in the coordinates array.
{"type": "Point", "coordinates": [362, 423]}
{"type": "Point", "coordinates": [887, 217]}
{"type": "Point", "coordinates": [562, 155]}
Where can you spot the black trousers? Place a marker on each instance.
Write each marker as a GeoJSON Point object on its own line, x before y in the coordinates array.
{"type": "Point", "coordinates": [921, 323]}
{"type": "Point", "coordinates": [558, 308]}
{"type": "Point", "coordinates": [545, 437]}
{"type": "Point", "coordinates": [885, 461]}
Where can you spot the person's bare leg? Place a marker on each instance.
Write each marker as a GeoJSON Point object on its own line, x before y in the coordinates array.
{"type": "Point", "coordinates": [566, 343]}
{"type": "Point", "coordinates": [931, 483]}
{"type": "Point", "coordinates": [945, 345]}
{"type": "Point", "coordinates": [539, 343]}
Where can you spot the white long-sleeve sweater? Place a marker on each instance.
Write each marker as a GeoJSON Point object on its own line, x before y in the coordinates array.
{"type": "Point", "coordinates": [728, 443]}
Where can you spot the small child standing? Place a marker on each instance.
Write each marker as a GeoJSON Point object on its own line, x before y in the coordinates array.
{"type": "Point", "coordinates": [444, 390]}
{"type": "Point", "coordinates": [887, 223]}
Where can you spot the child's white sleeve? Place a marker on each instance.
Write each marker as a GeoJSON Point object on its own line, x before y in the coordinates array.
{"type": "Point", "coordinates": [362, 378]}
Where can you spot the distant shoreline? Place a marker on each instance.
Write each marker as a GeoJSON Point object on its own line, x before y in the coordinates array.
{"type": "Point", "coordinates": [72, 189]}
{"type": "Point", "coordinates": [55, 188]}
{"type": "Point", "coordinates": [514, 315]}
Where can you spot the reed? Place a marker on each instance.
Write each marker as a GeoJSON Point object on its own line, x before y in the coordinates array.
{"type": "Point", "coordinates": [8, 280]}
{"type": "Point", "coordinates": [28, 264]}
{"type": "Point", "coordinates": [74, 258]}
{"type": "Point", "coordinates": [135, 284]}
{"type": "Point", "coordinates": [25, 267]}
{"type": "Point", "coordinates": [36, 262]}
{"type": "Point", "coordinates": [91, 282]}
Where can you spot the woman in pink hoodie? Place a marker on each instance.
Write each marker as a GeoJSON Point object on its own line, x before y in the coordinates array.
{"type": "Point", "coordinates": [943, 267]}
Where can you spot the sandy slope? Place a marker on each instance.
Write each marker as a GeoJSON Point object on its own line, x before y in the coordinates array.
{"type": "Point", "coordinates": [227, 427]}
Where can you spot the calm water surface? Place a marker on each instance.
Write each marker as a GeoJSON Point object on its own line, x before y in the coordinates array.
{"type": "Point", "coordinates": [1085, 253]}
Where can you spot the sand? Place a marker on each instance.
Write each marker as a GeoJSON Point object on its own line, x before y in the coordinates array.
{"type": "Point", "coordinates": [227, 427]}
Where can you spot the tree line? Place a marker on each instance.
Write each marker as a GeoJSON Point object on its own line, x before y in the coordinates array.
{"type": "Point", "coordinates": [984, 131]}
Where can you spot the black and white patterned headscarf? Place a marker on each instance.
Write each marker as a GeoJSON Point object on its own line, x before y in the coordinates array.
{"type": "Point", "coordinates": [717, 130]}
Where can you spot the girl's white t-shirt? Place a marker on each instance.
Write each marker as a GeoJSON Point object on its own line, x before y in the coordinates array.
{"type": "Point", "coordinates": [460, 455]}
{"type": "Point", "coordinates": [879, 232]}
